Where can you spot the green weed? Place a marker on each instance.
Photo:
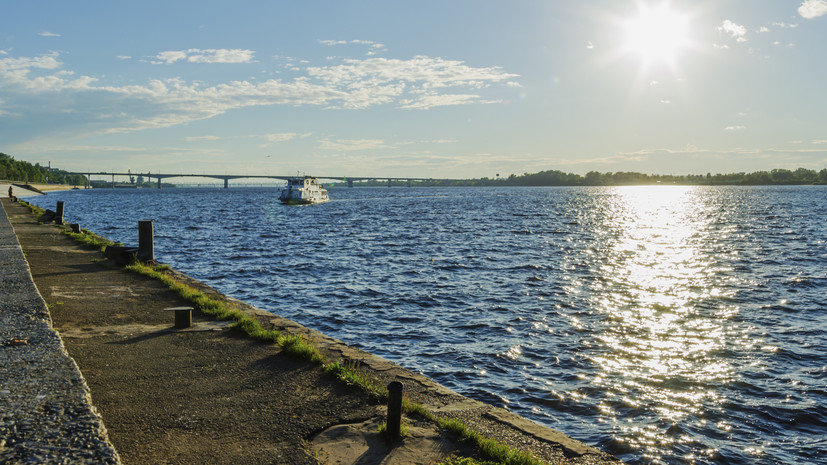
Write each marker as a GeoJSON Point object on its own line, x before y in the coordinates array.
{"type": "Point", "coordinates": [403, 430]}
{"type": "Point", "coordinates": [91, 241]}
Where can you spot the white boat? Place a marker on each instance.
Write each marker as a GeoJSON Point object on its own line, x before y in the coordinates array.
{"type": "Point", "coordinates": [302, 190]}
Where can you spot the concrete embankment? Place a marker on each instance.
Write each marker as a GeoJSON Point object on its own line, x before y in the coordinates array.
{"type": "Point", "coordinates": [46, 414]}
{"type": "Point", "coordinates": [25, 189]}
{"type": "Point", "coordinates": [208, 395]}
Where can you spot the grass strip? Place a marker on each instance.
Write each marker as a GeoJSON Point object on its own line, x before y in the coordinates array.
{"type": "Point", "coordinates": [89, 240]}
{"type": "Point", "coordinates": [32, 208]}
{"type": "Point", "coordinates": [491, 450]}
{"type": "Point", "coordinates": [352, 376]}
{"type": "Point", "coordinates": [294, 345]}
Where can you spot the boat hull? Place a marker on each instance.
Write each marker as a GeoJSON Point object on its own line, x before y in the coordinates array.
{"type": "Point", "coordinates": [302, 201]}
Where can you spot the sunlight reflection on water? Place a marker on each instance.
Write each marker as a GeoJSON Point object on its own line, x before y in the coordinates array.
{"type": "Point", "coordinates": [665, 319]}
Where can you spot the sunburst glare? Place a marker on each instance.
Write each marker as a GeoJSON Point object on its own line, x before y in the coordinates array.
{"type": "Point", "coordinates": [657, 34]}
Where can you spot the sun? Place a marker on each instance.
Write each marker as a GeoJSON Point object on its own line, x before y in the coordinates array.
{"type": "Point", "coordinates": [657, 34]}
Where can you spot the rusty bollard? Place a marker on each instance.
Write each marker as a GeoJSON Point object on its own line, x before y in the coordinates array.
{"type": "Point", "coordinates": [394, 421]}
{"type": "Point", "coordinates": [75, 227]}
{"type": "Point", "coordinates": [146, 241]}
{"type": "Point", "coordinates": [59, 212]}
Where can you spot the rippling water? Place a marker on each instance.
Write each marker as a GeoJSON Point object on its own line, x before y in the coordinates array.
{"type": "Point", "coordinates": [662, 324]}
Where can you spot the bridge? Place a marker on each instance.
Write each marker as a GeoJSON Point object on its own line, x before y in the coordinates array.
{"type": "Point", "coordinates": [227, 177]}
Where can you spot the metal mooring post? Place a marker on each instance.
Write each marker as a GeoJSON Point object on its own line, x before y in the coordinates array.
{"type": "Point", "coordinates": [183, 316]}
{"type": "Point", "coordinates": [59, 213]}
{"type": "Point", "coordinates": [146, 241]}
{"type": "Point", "coordinates": [394, 422]}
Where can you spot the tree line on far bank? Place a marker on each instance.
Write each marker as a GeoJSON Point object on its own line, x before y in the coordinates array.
{"type": "Point", "coordinates": [622, 178]}
{"type": "Point", "coordinates": [23, 171]}
{"type": "Point", "coordinates": [629, 178]}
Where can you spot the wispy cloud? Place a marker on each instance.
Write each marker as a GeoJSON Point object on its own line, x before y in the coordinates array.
{"type": "Point", "coordinates": [416, 83]}
{"type": "Point", "coordinates": [735, 31]}
{"type": "Point", "coordinates": [48, 34]}
{"type": "Point", "coordinates": [40, 84]}
{"type": "Point", "coordinates": [735, 128]}
{"type": "Point", "coordinates": [783, 25]}
{"type": "Point", "coordinates": [276, 138]}
{"type": "Point", "coordinates": [813, 9]}
{"type": "Point", "coordinates": [280, 137]}
{"type": "Point", "coordinates": [200, 138]}
{"type": "Point", "coordinates": [425, 102]}
{"type": "Point", "coordinates": [350, 145]}
{"type": "Point", "coordinates": [374, 48]}
{"type": "Point", "coordinates": [195, 55]}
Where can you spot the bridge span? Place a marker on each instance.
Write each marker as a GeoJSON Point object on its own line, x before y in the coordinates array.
{"type": "Point", "coordinates": [227, 177]}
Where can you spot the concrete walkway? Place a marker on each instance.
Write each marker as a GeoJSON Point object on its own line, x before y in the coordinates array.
{"type": "Point", "coordinates": [46, 415]}
{"type": "Point", "coordinates": [17, 191]}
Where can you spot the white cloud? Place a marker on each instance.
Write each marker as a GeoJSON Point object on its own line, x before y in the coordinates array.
{"type": "Point", "coordinates": [330, 43]}
{"type": "Point", "coordinates": [382, 80]}
{"type": "Point", "coordinates": [736, 31]}
{"type": "Point", "coordinates": [734, 128]}
{"type": "Point", "coordinates": [123, 57]}
{"type": "Point", "coordinates": [281, 137]}
{"type": "Point", "coordinates": [374, 49]}
{"type": "Point", "coordinates": [439, 100]}
{"type": "Point", "coordinates": [813, 8]}
{"type": "Point", "coordinates": [200, 138]}
{"type": "Point", "coordinates": [48, 34]}
{"type": "Point", "coordinates": [37, 88]}
{"type": "Point", "coordinates": [212, 55]}
{"type": "Point", "coordinates": [170, 57]}
{"type": "Point", "coordinates": [350, 145]}
{"type": "Point", "coordinates": [18, 70]}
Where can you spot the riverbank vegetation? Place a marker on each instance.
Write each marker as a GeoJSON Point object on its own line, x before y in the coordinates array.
{"type": "Point", "coordinates": [25, 172]}
{"type": "Point", "coordinates": [800, 176]}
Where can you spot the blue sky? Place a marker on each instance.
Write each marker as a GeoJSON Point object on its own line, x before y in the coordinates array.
{"type": "Point", "coordinates": [428, 89]}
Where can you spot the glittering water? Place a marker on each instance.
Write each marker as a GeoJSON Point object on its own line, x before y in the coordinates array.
{"type": "Point", "coordinates": [662, 324]}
